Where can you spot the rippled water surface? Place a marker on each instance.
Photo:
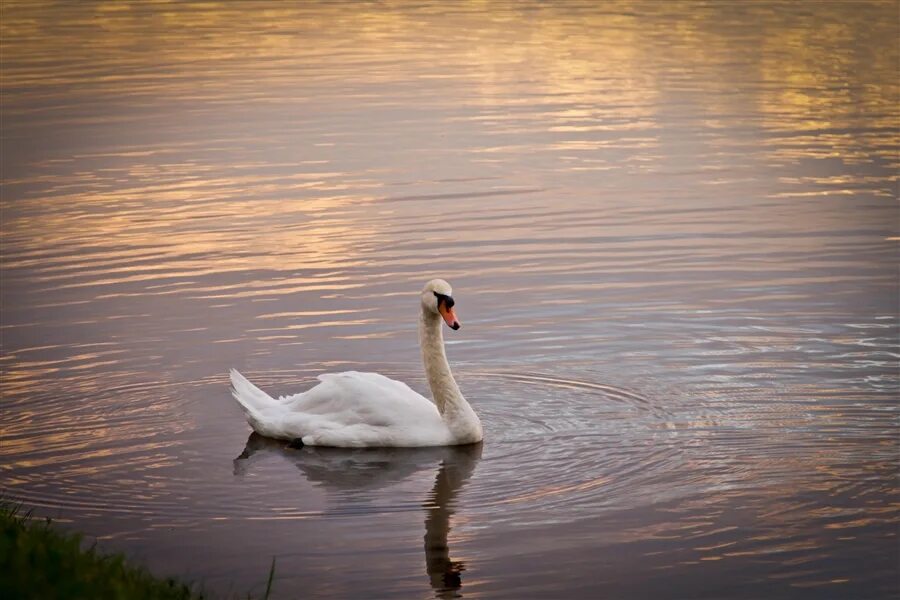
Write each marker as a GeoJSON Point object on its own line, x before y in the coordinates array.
{"type": "Point", "coordinates": [672, 234]}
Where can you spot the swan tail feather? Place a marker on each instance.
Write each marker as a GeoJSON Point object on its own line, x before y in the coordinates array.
{"type": "Point", "coordinates": [251, 398]}
{"type": "Point", "coordinates": [254, 402]}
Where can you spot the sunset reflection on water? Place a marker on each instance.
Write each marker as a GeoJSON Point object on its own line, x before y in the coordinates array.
{"type": "Point", "coordinates": [671, 230]}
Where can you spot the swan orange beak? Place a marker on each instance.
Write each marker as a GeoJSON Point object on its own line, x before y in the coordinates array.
{"type": "Point", "coordinates": [449, 316]}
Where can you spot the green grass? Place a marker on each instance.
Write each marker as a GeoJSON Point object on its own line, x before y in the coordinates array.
{"type": "Point", "coordinates": [38, 561]}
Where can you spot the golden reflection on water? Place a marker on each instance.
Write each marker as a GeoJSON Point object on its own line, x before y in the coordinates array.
{"type": "Point", "coordinates": [161, 57]}
{"type": "Point", "coordinates": [189, 186]}
{"type": "Point", "coordinates": [608, 70]}
{"type": "Point", "coordinates": [201, 52]}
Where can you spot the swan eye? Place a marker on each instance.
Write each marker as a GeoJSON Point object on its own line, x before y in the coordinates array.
{"type": "Point", "coordinates": [444, 299]}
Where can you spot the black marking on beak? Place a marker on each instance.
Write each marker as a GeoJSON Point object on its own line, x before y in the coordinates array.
{"type": "Point", "coordinates": [455, 326]}
{"type": "Point", "coordinates": [444, 299]}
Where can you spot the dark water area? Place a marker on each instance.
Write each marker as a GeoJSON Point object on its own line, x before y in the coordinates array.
{"type": "Point", "coordinates": [672, 232]}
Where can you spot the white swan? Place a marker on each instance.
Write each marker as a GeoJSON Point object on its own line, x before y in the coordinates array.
{"type": "Point", "coordinates": [354, 409]}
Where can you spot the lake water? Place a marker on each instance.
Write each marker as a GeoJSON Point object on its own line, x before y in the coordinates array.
{"type": "Point", "coordinates": [671, 228]}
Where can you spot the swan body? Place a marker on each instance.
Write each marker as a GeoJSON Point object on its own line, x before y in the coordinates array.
{"type": "Point", "coordinates": [355, 409]}
{"type": "Point", "coordinates": [347, 409]}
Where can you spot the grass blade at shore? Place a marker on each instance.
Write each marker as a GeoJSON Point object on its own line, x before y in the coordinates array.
{"type": "Point", "coordinates": [39, 562]}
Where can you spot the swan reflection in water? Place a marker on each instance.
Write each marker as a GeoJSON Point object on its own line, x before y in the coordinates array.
{"type": "Point", "coordinates": [343, 470]}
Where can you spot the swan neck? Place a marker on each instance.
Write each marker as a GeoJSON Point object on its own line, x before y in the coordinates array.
{"type": "Point", "coordinates": [455, 411]}
{"type": "Point", "coordinates": [443, 386]}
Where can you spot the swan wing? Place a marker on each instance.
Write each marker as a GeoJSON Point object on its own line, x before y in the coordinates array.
{"type": "Point", "coordinates": [349, 409]}
{"type": "Point", "coordinates": [363, 396]}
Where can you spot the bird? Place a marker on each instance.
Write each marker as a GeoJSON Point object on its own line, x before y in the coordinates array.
{"type": "Point", "coordinates": [356, 409]}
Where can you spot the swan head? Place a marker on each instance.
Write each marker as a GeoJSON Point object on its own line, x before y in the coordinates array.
{"type": "Point", "coordinates": [437, 299]}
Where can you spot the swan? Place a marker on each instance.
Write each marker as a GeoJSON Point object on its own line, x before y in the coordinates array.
{"type": "Point", "coordinates": [354, 409]}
